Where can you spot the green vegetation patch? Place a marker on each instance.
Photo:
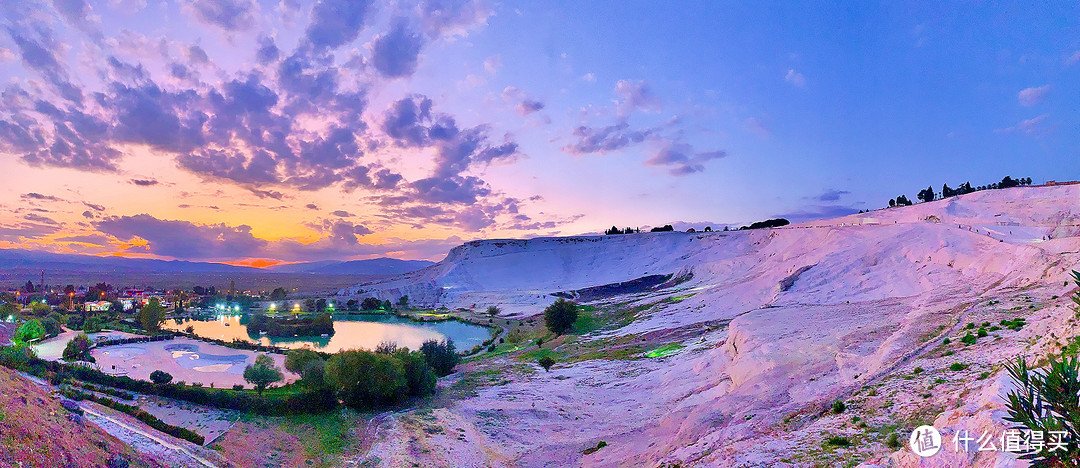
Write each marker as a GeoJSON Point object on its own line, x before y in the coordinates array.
{"type": "Point", "coordinates": [665, 350]}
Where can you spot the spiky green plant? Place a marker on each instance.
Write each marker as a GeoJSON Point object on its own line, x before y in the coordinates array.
{"type": "Point", "coordinates": [1048, 400]}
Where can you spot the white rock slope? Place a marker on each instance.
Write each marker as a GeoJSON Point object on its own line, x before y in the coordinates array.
{"type": "Point", "coordinates": [814, 312]}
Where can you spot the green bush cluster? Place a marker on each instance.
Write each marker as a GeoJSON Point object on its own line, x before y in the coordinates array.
{"type": "Point", "coordinates": [838, 407]}
{"type": "Point", "coordinates": [1015, 324]}
{"type": "Point", "coordinates": [366, 379]}
{"type": "Point", "coordinates": [31, 330]}
{"type": "Point", "coordinates": [160, 377]}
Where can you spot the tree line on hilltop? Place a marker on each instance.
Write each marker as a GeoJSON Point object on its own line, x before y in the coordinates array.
{"type": "Point", "coordinates": [928, 194]}
{"type": "Point", "coordinates": [768, 223]}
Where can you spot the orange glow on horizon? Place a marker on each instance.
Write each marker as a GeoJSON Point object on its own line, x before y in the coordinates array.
{"type": "Point", "coordinates": [254, 262]}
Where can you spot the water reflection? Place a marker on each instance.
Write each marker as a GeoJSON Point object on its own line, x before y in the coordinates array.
{"type": "Point", "coordinates": [350, 332]}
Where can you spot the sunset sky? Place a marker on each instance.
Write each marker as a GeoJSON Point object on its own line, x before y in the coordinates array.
{"type": "Point", "coordinates": [283, 131]}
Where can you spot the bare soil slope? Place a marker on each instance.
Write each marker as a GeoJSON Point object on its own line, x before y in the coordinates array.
{"type": "Point", "coordinates": [36, 431]}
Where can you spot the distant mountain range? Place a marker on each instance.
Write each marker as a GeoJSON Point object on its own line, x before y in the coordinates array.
{"type": "Point", "coordinates": [27, 259]}
{"type": "Point", "coordinates": [374, 266]}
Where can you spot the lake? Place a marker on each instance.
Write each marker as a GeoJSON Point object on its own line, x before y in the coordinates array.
{"type": "Point", "coordinates": [350, 332]}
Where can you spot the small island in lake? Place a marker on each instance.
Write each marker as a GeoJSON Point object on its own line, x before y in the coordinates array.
{"type": "Point", "coordinates": [321, 324]}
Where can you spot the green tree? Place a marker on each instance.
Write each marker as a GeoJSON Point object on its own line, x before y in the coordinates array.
{"type": "Point", "coordinates": [442, 357]}
{"type": "Point", "coordinates": [363, 379]}
{"type": "Point", "coordinates": [296, 359]}
{"type": "Point", "coordinates": [78, 349]}
{"type": "Point", "coordinates": [160, 377]}
{"type": "Point", "coordinates": [30, 330]}
{"type": "Point", "coordinates": [560, 316]}
{"type": "Point", "coordinates": [370, 303]}
{"type": "Point", "coordinates": [493, 311]}
{"type": "Point", "coordinates": [308, 364]}
{"type": "Point", "coordinates": [8, 308]}
{"type": "Point", "coordinates": [278, 294]}
{"type": "Point", "coordinates": [151, 315]}
{"type": "Point", "coordinates": [262, 373]}
{"type": "Point", "coordinates": [546, 362]}
{"type": "Point", "coordinates": [52, 325]}
{"type": "Point", "coordinates": [403, 301]}
{"type": "Point", "coordinates": [419, 377]}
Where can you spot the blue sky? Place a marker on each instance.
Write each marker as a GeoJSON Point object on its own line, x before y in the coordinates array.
{"type": "Point", "coordinates": [289, 131]}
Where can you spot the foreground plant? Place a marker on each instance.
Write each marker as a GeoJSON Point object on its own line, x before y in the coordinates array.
{"type": "Point", "coordinates": [1048, 401]}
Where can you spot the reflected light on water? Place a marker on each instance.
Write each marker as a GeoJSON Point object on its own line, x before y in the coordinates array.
{"type": "Point", "coordinates": [363, 332]}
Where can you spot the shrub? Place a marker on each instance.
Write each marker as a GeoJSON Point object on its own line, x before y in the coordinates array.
{"type": "Point", "coordinates": [419, 378]}
{"type": "Point", "coordinates": [160, 377]}
{"type": "Point", "coordinates": [493, 311]}
{"type": "Point", "coordinates": [838, 441]}
{"type": "Point", "coordinates": [386, 347]}
{"type": "Point", "coordinates": [946, 341]}
{"type": "Point", "coordinates": [969, 339]}
{"type": "Point", "coordinates": [52, 325]}
{"type": "Point", "coordinates": [238, 387]}
{"type": "Point", "coordinates": [560, 316]}
{"type": "Point", "coordinates": [956, 367]}
{"type": "Point", "coordinates": [917, 370]}
{"type": "Point", "coordinates": [296, 359]}
{"type": "Point", "coordinates": [31, 330]}
{"type": "Point", "coordinates": [18, 357]}
{"type": "Point", "coordinates": [838, 407]}
{"type": "Point", "coordinates": [441, 356]}
{"type": "Point", "coordinates": [363, 379]}
{"type": "Point", "coordinates": [515, 336]}
{"type": "Point", "coordinates": [590, 450]}
{"type": "Point", "coordinates": [546, 362]}
{"type": "Point", "coordinates": [78, 349]}
{"type": "Point", "coordinates": [893, 442]}
{"type": "Point", "coordinates": [262, 373]}
{"type": "Point", "coordinates": [981, 333]}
